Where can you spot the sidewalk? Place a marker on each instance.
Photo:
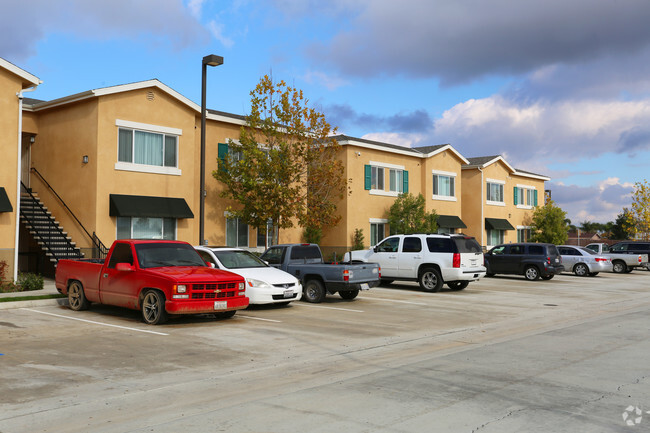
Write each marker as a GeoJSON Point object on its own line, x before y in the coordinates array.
{"type": "Point", "coordinates": [48, 289]}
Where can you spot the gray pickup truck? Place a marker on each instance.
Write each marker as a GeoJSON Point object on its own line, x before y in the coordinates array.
{"type": "Point", "coordinates": [305, 262]}
{"type": "Point", "coordinates": [623, 262]}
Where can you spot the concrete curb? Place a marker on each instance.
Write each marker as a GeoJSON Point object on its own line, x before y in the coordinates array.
{"type": "Point", "coordinates": [34, 303]}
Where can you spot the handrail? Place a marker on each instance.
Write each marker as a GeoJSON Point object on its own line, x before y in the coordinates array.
{"type": "Point", "coordinates": [51, 224]}
{"type": "Point", "coordinates": [97, 243]}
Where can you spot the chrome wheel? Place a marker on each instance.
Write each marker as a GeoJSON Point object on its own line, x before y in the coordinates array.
{"type": "Point", "coordinates": [153, 308]}
{"type": "Point", "coordinates": [531, 273]}
{"type": "Point", "coordinates": [76, 297]}
{"type": "Point", "coordinates": [430, 280]}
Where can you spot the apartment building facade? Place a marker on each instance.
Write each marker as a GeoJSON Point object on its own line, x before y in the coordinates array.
{"type": "Point", "coordinates": [123, 161]}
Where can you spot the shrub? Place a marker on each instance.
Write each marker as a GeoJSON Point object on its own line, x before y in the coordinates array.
{"type": "Point", "coordinates": [29, 282]}
{"type": "Point", "coordinates": [358, 240]}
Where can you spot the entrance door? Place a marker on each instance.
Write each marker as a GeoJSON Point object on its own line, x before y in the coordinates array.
{"type": "Point", "coordinates": [26, 159]}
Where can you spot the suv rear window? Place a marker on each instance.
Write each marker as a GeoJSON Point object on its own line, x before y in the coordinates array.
{"type": "Point", "coordinates": [467, 245]}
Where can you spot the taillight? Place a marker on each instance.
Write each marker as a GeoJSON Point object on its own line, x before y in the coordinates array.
{"type": "Point", "coordinates": [379, 270]}
{"type": "Point", "coordinates": [600, 259]}
{"type": "Point", "coordinates": [346, 275]}
{"type": "Point", "coordinates": [548, 260]}
{"type": "Point", "coordinates": [640, 259]}
{"type": "Point", "coordinates": [456, 260]}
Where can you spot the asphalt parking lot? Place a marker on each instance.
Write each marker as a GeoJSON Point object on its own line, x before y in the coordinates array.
{"type": "Point", "coordinates": [505, 354]}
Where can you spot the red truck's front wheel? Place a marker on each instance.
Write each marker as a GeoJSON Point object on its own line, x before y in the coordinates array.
{"type": "Point", "coordinates": [153, 308]}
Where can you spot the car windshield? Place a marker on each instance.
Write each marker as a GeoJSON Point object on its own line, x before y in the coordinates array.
{"type": "Point", "coordinates": [158, 254]}
{"type": "Point", "coordinates": [233, 259]}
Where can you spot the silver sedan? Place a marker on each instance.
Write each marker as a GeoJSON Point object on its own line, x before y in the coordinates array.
{"type": "Point", "coordinates": [583, 262]}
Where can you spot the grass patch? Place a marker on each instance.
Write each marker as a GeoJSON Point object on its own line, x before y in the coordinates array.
{"type": "Point", "coordinates": [31, 298]}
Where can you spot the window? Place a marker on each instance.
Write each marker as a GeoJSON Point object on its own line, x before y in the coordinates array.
{"type": "Point", "coordinates": [146, 228]}
{"type": "Point", "coordinates": [121, 254]}
{"type": "Point", "coordinates": [443, 186]}
{"type": "Point", "coordinates": [390, 245]}
{"type": "Point", "coordinates": [377, 232]}
{"type": "Point", "coordinates": [396, 182]}
{"type": "Point", "coordinates": [494, 237]}
{"type": "Point", "coordinates": [446, 230]}
{"type": "Point", "coordinates": [412, 245]}
{"type": "Point", "coordinates": [536, 250]}
{"type": "Point", "coordinates": [236, 233]}
{"type": "Point", "coordinates": [274, 256]}
{"type": "Point", "coordinates": [525, 196]}
{"type": "Point", "coordinates": [147, 148]}
{"type": "Point", "coordinates": [523, 234]}
{"type": "Point", "coordinates": [265, 235]}
{"type": "Point", "coordinates": [516, 249]}
{"type": "Point", "coordinates": [440, 245]}
{"type": "Point", "coordinates": [377, 178]}
{"type": "Point", "coordinates": [495, 192]}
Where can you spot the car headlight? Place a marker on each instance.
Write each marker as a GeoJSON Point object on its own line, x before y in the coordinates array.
{"type": "Point", "coordinates": [258, 283]}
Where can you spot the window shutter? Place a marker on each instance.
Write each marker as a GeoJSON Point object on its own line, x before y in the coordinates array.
{"type": "Point", "coordinates": [535, 198]}
{"type": "Point", "coordinates": [405, 189]}
{"type": "Point", "coordinates": [222, 151]}
{"type": "Point", "coordinates": [516, 190]}
{"type": "Point", "coordinates": [367, 176]}
{"type": "Point", "coordinates": [452, 187]}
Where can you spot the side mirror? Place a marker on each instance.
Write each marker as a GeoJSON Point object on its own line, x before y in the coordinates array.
{"type": "Point", "coordinates": [211, 265]}
{"type": "Point", "coordinates": [125, 267]}
{"type": "Point", "coordinates": [375, 249]}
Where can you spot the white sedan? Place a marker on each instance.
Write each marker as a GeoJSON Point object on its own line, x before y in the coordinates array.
{"type": "Point", "coordinates": [264, 284]}
{"type": "Point", "coordinates": [582, 261]}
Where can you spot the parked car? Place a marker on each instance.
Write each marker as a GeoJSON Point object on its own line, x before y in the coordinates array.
{"type": "Point", "coordinates": [264, 284]}
{"type": "Point", "coordinates": [305, 262]}
{"type": "Point", "coordinates": [159, 278]}
{"type": "Point", "coordinates": [430, 259]}
{"type": "Point", "coordinates": [623, 261]}
{"type": "Point", "coordinates": [582, 261]}
{"type": "Point", "coordinates": [532, 260]}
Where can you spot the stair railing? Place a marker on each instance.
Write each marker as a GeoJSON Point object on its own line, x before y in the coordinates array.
{"type": "Point", "coordinates": [51, 227]}
{"type": "Point", "coordinates": [98, 245]}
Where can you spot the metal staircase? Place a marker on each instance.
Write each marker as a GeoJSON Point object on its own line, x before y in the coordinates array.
{"type": "Point", "coordinates": [45, 229]}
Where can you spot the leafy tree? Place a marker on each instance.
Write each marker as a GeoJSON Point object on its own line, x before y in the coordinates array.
{"type": "Point", "coordinates": [549, 224]}
{"type": "Point", "coordinates": [408, 215]}
{"type": "Point", "coordinates": [621, 228]}
{"type": "Point", "coordinates": [285, 166]}
{"type": "Point", "coordinates": [591, 227]}
{"type": "Point", "coordinates": [639, 216]}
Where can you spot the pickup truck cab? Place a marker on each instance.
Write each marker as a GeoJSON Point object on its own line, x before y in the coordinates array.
{"type": "Point", "coordinates": [305, 262]}
{"type": "Point", "coordinates": [622, 261]}
{"type": "Point", "coordinates": [430, 259]}
{"type": "Point", "coordinates": [159, 278]}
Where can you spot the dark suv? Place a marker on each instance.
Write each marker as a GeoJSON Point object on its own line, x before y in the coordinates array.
{"type": "Point", "coordinates": [528, 259]}
{"type": "Point", "coordinates": [630, 247]}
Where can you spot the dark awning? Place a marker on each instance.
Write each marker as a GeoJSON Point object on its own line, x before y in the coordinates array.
{"type": "Point", "coordinates": [151, 207]}
{"type": "Point", "coordinates": [5, 204]}
{"type": "Point", "coordinates": [498, 224]}
{"type": "Point", "coordinates": [450, 222]}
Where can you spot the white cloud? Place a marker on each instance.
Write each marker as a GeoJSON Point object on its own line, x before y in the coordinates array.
{"type": "Point", "coordinates": [322, 79]}
{"type": "Point", "coordinates": [217, 31]}
{"type": "Point", "coordinates": [196, 8]}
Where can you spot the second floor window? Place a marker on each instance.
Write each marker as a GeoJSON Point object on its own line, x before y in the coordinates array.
{"type": "Point", "coordinates": [396, 180]}
{"type": "Point", "coordinates": [377, 178]}
{"type": "Point", "coordinates": [495, 192]}
{"type": "Point", "coordinates": [444, 186]}
{"type": "Point", "coordinates": [147, 148]}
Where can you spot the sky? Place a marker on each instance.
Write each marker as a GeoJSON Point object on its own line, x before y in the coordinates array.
{"type": "Point", "coordinates": [557, 87]}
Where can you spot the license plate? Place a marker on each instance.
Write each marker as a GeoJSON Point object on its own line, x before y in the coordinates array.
{"type": "Point", "coordinates": [365, 286]}
{"type": "Point", "coordinates": [220, 305]}
{"type": "Point", "coordinates": [288, 293]}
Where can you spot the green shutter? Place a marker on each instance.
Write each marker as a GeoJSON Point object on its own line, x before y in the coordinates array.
{"type": "Point", "coordinates": [535, 197]}
{"type": "Point", "coordinates": [405, 188]}
{"type": "Point", "coordinates": [516, 197]}
{"type": "Point", "coordinates": [367, 176]}
{"type": "Point", "coordinates": [222, 151]}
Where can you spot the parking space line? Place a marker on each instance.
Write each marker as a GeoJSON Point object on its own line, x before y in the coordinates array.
{"type": "Point", "coordinates": [330, 308]}
{"type": "Point", "coordinates": [259, 318]}
{"type": "Point", "coordinates": [95, 323]}
{"type": "Point", "coordinates": [395, 300]}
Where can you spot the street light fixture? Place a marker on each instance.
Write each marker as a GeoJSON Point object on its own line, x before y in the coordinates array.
{"type": "Point", "coordinates": [211, 60]}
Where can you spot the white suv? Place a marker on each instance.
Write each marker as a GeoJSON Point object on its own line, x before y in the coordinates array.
{"type": "Point", "coordinates": [429, 259]}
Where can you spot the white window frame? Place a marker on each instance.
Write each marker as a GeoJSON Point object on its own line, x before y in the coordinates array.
{"type": "Point", "coordinates": [501, 235]}
{"type": "Point", "coordinates": [522, 228]}
{"type": "Point", "coordinates": [449, 174]}
{"type": "Point", "coordinates": [156, 129]}
{"type": "Point", "coordinates": [377, 221]}
{"type": "Point", "coordinates": [528, 194]}
{"type": "Point", "coordinates": [385, 165]}
{"type": "Point", "coordinates": [503, 192]}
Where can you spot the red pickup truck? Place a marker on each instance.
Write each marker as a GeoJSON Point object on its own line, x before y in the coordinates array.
{"type": "Point", "coordinates": [160, 278]}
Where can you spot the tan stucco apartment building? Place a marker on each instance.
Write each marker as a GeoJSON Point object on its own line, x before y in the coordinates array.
{"type": "Point", "coordinates": [124, 161]}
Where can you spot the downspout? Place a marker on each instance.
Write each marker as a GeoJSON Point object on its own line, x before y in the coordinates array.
{"type": "Point", "coordinates": [482, 205]}
{"type": "Point", "coordinates": [20, 170]}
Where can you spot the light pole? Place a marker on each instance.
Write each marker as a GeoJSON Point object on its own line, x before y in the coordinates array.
{"type": "Point", "coordinates": [211, 60]}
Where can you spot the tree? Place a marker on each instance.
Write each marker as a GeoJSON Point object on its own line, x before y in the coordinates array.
{"type": "Point", "coordinates": [285, 166]}
{"type": "Point", "coordinates": [358, 239]}
{"type": "Point", "coordinates": [549, 224]}
{"type": "Point", "coordinates": [639, 216]}
{"type": "Point", "coordinates": [621, 228]}
{"type": "Point", "coordinates": [408, 215]}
